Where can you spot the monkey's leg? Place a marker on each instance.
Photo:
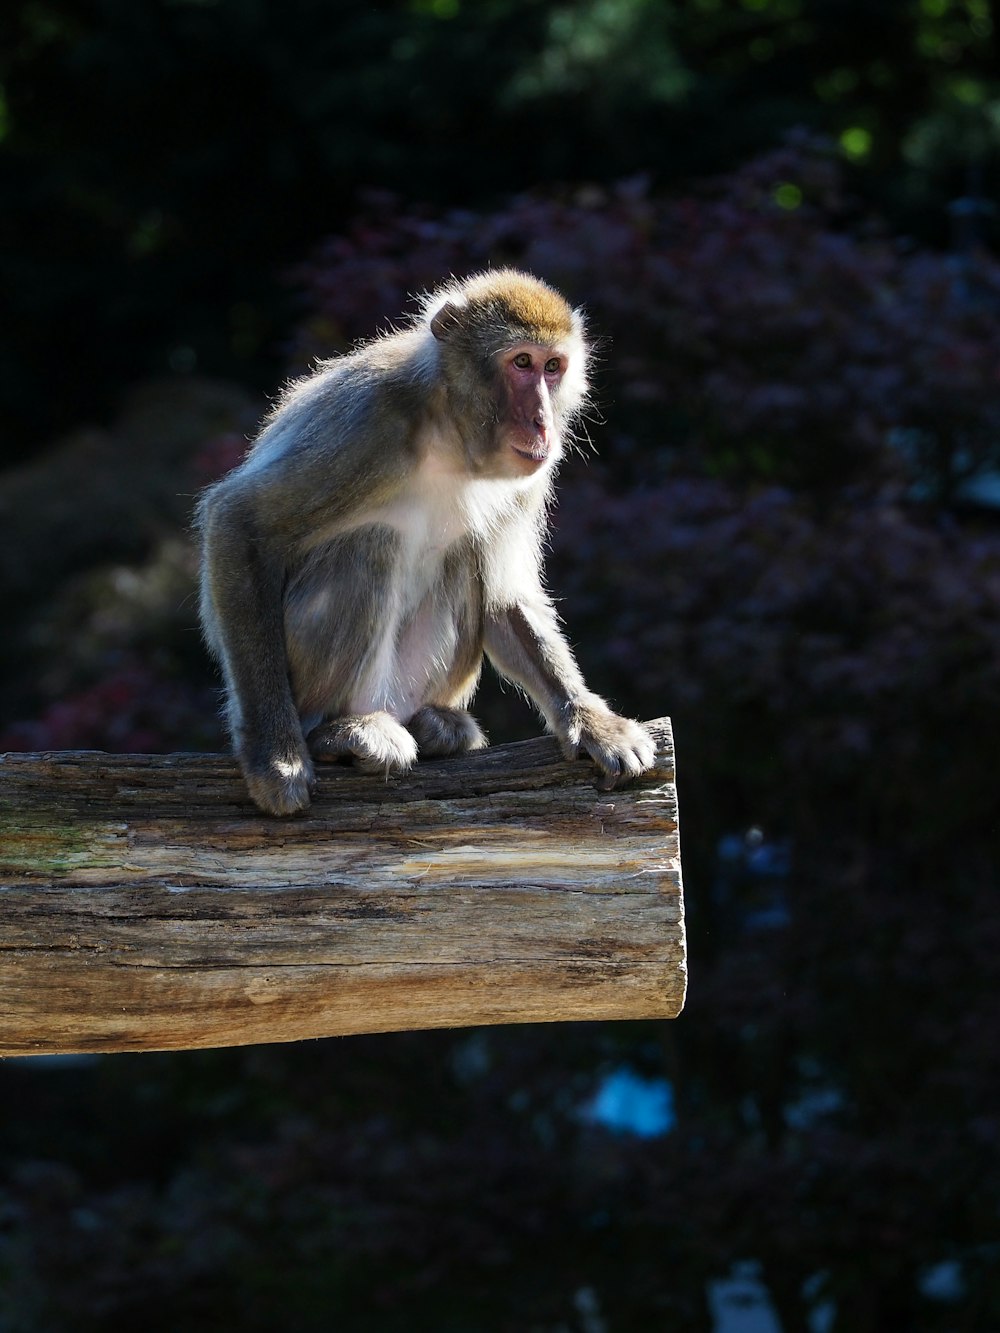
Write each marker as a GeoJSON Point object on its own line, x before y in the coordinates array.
{"type": "Point", "coordinates": [375, 741]}
{"type": "Point", "coordinates": [439, 730]}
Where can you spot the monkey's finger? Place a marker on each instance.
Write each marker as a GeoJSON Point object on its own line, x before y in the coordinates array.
{"type": "Point", "coordinates": [606, 759]}
{"type": "Point", "coordinates": [637, 758]}
{"type": "Point", "coordinates": [631, 753]}
{"type": "Point", "coordinates": [620, 763]}
{"type": "Point", "coordinates": [612, 776]}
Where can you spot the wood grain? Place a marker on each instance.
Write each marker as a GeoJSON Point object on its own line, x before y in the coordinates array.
{"type": "Point", "coordinates": [146, 905]}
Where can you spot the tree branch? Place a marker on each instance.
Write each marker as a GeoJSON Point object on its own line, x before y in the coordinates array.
{"type": "Point", "coordinates": [146, 905]}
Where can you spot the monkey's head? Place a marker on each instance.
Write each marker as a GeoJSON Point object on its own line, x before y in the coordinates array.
{"type": "Point", "coordinates": [514, 359]}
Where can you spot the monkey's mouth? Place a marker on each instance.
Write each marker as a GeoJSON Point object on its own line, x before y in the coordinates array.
{"type": "Point", "coordinates": [537, 452]}
{"type": "Point", "coordinates": [535, 445]}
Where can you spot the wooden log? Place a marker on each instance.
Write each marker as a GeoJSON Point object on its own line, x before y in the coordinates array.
{"type": "Point", "coordinates": [146, 905]}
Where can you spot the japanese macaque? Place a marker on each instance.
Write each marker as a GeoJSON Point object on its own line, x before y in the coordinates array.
{"type": "Point", "coordinates": [385, 530]}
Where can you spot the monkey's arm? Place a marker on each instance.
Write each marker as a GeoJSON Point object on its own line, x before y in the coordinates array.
{"type": "Point", "coordinates": [525, 644]}
{"type": "Point", "coordinates": [242, 581]}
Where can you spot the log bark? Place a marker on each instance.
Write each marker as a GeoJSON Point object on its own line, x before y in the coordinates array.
{"type": "Point", "coordinates": [146, 905]}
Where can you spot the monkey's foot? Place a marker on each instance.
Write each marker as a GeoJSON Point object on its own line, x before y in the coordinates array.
{"type": "Point", "coordinates": [439, 730]}
{"type": "Point", "coordinates": [375, 741]}
{"type": "Point", "coordinates": [620, 748]}
{"type": "Point", "coordinates": [279, 784]}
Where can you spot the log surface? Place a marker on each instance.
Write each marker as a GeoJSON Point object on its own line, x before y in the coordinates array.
{"type": "Point", "coordinates": [146, 905]}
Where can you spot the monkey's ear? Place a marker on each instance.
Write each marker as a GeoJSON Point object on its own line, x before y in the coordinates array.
{"type": "Point", "coordinates": [446, 321]}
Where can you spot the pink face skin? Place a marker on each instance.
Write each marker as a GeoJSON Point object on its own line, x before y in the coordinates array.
{"type": "Point", "coordinates": [532, 373]}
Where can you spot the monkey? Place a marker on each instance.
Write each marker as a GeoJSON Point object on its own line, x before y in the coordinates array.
{"type": "Point", "coordinates": [384, 532]}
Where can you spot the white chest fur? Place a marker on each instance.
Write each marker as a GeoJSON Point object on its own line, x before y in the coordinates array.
{"type": "Point", "coordinates": [418, 636]}
{"type": "Point", "coordinates": [413, 609]}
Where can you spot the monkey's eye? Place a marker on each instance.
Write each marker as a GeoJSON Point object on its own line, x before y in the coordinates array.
{"type": "Point", "coordinates": [553, 366]}
{"type": "Point", "coordinates": [522, 361]}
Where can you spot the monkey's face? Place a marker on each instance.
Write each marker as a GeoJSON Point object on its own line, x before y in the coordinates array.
{"type": "Point", "coordinates": [532, 410]}
{"type": "Point", "coordinates": [514, 363]}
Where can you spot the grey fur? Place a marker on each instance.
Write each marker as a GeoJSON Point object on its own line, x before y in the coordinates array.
{"type": "Point", "coordinates": [379, 536]}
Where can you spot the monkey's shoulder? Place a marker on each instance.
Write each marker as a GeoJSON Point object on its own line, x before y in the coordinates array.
{"type": "Point", "coordinates": [398, 370]}
{"type": "Point", "coordinates": [356, 408]}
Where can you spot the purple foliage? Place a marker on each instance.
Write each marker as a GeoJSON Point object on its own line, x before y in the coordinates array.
{"type": "Point", "coordinates": [783, 380]}
{"type": "Point", "coordinates": [218, 455]}
{"type": "Point", "coordinates": [844, 632]}
{"type": "Point", "coordinates": [786, 380]}
{"type": "Point", "coordinates": [757, 326]}
{"type": "Point", "coordinates": [132, 709]}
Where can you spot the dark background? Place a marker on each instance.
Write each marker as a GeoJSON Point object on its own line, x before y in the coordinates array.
{"type": "Point", "coordinates": [780, 216]}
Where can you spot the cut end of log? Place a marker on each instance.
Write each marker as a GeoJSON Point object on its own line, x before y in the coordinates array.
{"type": "Point", "coordinates": [145, 904]}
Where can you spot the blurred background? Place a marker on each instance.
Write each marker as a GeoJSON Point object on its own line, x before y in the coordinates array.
{"type": "Point", "coordinates": [780, 216]}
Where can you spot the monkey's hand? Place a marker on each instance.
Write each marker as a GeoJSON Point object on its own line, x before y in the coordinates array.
{"type": "Point", "coordinates": [376, 742]}
{"type": "Point", "coordinates": [280, 781]}
{"type": "Point", "coordinates": [621, 748]}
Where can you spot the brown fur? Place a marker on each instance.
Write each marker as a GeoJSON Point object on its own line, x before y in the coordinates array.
{"type": "Point", "coordinates": [519, 301]}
